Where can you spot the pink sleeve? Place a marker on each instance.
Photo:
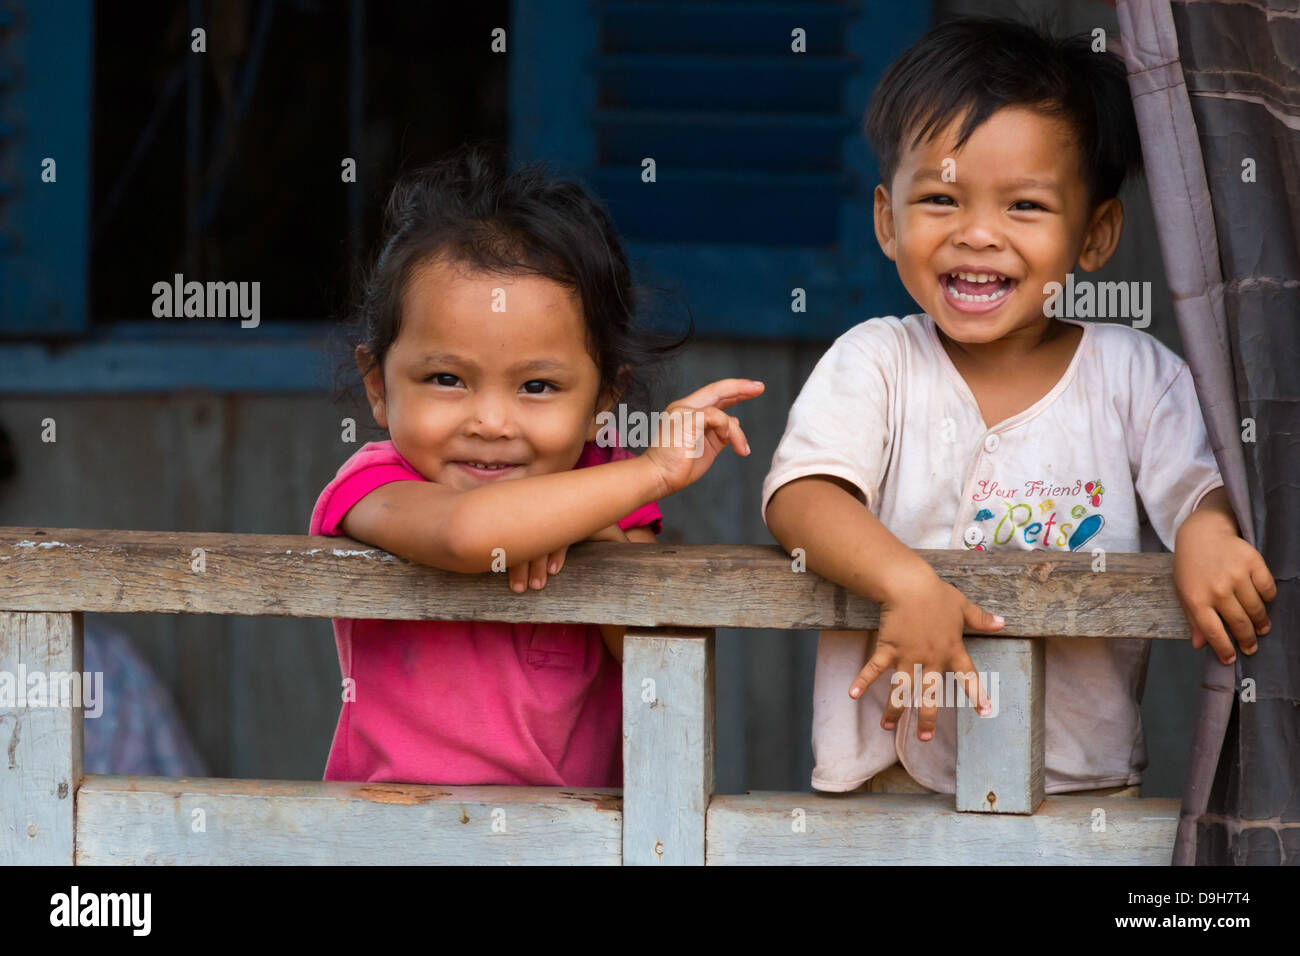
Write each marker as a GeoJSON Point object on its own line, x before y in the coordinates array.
{"type": "Point", "coordinates": [355, 487]}
{"type": "Point", "coordinates": [648, 514]}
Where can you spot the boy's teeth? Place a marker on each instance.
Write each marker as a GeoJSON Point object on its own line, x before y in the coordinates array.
{"type": "Point", "coordinates": [965, 297]}
{"type": "Point", "coordinates": [977, 276]}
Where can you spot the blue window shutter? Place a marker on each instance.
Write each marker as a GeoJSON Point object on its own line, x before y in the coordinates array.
{"type": "Point", "coordinates": [45, 112]}
{"type": "Point", "coordinates": [763, 182]}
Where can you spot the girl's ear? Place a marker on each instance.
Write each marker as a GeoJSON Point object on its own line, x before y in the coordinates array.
{"type": "Point", "coordinates": [606, 401]}
{"type": "Point", "coordinates": [1103, 235]}
{"type": "Point", "coordinates": [884, 213]}
{"type": "Point", "coordinates": [374, 381]}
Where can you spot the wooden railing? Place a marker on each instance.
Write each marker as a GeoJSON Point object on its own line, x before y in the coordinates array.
{"type": "Point", "coordinates": [671, 598]}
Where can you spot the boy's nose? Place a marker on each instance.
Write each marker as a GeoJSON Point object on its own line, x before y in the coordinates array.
{"type": "Point", "coordinates": [975, 232]}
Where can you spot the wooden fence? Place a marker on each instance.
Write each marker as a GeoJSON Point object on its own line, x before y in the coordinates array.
{"type": "Point", "coordinates": [671, 598]}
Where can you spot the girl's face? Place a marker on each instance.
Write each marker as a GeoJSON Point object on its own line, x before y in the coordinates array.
{"type": "Point", "coordinates": [465, 387]}
{"type": "Point", "coordinates": [1010, 203]}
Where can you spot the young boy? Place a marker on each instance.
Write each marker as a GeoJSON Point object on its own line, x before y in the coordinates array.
{"type": "Point", "coordinates": [984, 422]}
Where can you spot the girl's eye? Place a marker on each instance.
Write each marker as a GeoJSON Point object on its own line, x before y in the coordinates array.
{"type": "Point", "coordinates": [442, 378]}
{"type": "Point", "coordinates": [542, 389]}
{"type": "Point", "coordinates": [1026, 202]}
{"type": "Point", "coordinates": [934, 198]}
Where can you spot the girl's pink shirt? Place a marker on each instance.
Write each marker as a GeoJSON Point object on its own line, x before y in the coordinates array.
{"type": "Point", "coordinates": [472, 702]}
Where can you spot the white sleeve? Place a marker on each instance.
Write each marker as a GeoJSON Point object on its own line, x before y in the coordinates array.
{"type": "Point", "coordinates": [840, 423]}
{"type": "Point", "coordinates": [1176, 466]}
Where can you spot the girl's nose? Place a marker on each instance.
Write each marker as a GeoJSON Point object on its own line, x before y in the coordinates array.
{"type": "Point", "coordinates": [490, 419]}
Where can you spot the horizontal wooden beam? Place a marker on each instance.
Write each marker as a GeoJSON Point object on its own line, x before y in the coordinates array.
{"type": "Point", "coordinates": [156, 820]}
{"type": "Point", "coordinates": [637, 585]}
{"type": "Point", "coordinates": [888, 829]}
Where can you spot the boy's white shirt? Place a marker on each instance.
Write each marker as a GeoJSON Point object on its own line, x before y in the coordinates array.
{"type": "Point", "coordinates": [886, 410]}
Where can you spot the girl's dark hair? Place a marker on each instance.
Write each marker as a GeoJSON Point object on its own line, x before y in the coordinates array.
{"type": "Point", "coordinates": [982, 64]}
{"type": "Point", "coordinates": [468, 209]}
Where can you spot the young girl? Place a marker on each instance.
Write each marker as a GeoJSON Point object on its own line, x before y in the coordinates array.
{"type": "Point", "coordinates": [497, 325]}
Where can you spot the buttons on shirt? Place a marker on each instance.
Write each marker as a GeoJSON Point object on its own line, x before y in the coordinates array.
{"type": "Point", "coordinates": [991, 443]}
{"type": "Point", "coordinates": [973, 536]}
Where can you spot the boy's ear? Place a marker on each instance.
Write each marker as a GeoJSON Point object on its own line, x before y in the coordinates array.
{"type": "Point", "coordinates": [1102, 237]}
{"type": "Point", "coordinates": [885, 222]}
{"type": "Point", "coordinates": [374, 380]}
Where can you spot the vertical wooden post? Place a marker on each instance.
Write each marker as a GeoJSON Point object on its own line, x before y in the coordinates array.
{"type": "Point", "coordinates": [40, 746]}
{"type": "Point", "coordinates": [1000, 759]}
{"type": "Point", "coordinates": [668, 714]}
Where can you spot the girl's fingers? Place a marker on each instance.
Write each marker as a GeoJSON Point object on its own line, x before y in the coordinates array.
{"type": "Point", "coordinates": [537, 573]}
{"type": "Point", "coordinates": [723, 393]}
{"type": "Point", "coordinates": [738, 439]}
{"type": "Point", "coordinates": [518, 577]}
{"type": "Point", "coordinates": [556, 561]}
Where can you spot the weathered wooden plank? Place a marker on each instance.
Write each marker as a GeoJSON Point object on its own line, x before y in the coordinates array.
{"type": "Point", "coordinates": [668, 721]}
{"type": "Point", "coordinates": [154, 820]}
{"type": "Point", "coordinates": [891, 829]}
{"type": "Point", "coordinates": [742, 586]}
{"type": "Point", "coordinates": [40, 736]}
{"type": "Point", "coordinates": [1000, 758]}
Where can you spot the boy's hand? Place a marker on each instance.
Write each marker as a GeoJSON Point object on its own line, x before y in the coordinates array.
{"type": "Point", "coordinates": [536, 571]}
{"type": "Point", "coordinates": [693, 430]}
{"type": "Point", "coordinates": [921, 622]}
{"type": "Point", "coordinates": [1220, 579]}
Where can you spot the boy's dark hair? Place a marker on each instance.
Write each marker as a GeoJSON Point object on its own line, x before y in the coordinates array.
{"type": "Point", "coordinates": [468, 209]}
{"type": "Point", "coordinates": [981, 64]}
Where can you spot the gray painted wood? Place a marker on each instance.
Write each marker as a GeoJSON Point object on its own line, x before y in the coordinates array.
{"type": "Point", "coordinates": [1000, 758]}
{"type": "Point", "coordinates": [1040, 594]}
{"type": "Point", "coordinates": [40, 746]}
{"type": "Point", "coordinates": [155, 821]}
{"type": "Point", "coordinates": [668, 715]}
{"type": "Point", "coordinates": [890, 829]}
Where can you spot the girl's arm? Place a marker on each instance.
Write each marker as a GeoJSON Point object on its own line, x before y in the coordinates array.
{"type": "Point", "coordinates": [613, 633]}
{"type": "Point", "coordinates": [526, 517]}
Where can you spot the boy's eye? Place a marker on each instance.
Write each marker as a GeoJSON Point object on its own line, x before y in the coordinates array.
{"type": "Point", "coordinates": [443, 378]}
{"type": "Point", "coordinates": [540, 390]}
{"type": "Point", "coordinates": [934, 199]}
{"type": "Point", "coordinates": [1026, 202]}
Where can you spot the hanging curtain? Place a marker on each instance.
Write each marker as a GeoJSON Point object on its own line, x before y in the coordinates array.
{"type": "Point", "coordinates": [1216, 88]}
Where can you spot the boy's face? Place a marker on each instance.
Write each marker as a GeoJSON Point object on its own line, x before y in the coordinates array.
{"type": "Point", "coordinates": [1010, 204]}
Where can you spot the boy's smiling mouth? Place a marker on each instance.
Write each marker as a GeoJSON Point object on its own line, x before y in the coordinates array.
{"type": "Point", "coordinates": [975, 289]}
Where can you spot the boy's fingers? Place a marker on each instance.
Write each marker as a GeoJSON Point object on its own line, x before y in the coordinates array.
{"type": "Point", "coordinates": [738, 439]}
{"type": "Point", "coordinates": [1209, 624]}
{"type": "Point", "coordinates": [1239, 624]}
{"type": "Point", "coordinates": [978, 619]}
{"type": "Point", "coordinates": [971, 683]}
{"type": "Point", "coordinates": [1263, 580]}
{"type": "Point", "coordinates": [518, 577]}
{"type": "Point", "coordinates": [1253, 605]}
{"type": "Point", "coordinates": [929, 712]}
{"type": "Point", "coordinates": [867, 676]}
{"type": "Point", "coordinates": [556, 561]}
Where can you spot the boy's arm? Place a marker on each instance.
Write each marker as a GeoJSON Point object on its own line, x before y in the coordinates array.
{"type": "Point", "coordinates": [922, 617]}
{"type": "Point", "coordinates": [1221, 580]}
{"type": "Point", "coordinates": [844, 542]}
{"type": "Point", "coordinates": [527, 517]}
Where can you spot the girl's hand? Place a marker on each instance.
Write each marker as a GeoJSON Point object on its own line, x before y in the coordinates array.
{"type": "Point", "coordinates": [1220, 579]}
{"type": "Point", "coordinates": [536, 571]}
{"type": "Point", "coordinates": [921, 622]}
{"type": "Point", "coordinates": [693, 430]}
